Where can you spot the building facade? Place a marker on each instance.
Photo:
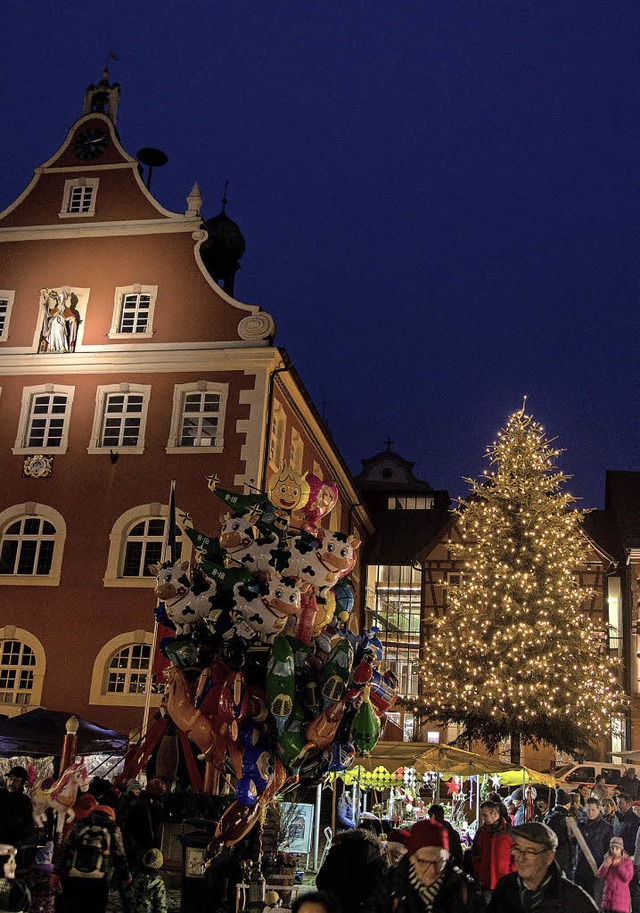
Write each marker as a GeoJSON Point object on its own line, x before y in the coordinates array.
{"type": "Point", "coordinates": [125, 362]}
{"type": "Point", "coordinates": [407, 512]}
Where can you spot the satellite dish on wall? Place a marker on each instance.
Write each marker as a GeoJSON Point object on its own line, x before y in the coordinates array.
{"type": "Point", "coordinates": [152, 158]}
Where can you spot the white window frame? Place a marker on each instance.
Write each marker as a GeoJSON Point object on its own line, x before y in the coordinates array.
{"type": "Point", "coordinates": [24, 422]}
{"type": "Point", "coordinates": [180, 391]}
{"type": "Point", "coordinates": [277, 435]}
{"type": "Point", "coordinates": [296, 450]}
{"type": "Point", "coordinates": [98, 693]}
{"type": "Point", "coordinates": [118, 545]}
{"type": "Point", "coordinates": [82, 184]}
{"type": "Point", "coordinates": [99, 416]}
{"type": "Point", "coordinates": [42, 511]}
{"type": "Point", "coordinates": [11, 632]}
{"type": "Point", "coordinates": [152, 291]}
{"type": "Point", "coordinates": [6, 295]}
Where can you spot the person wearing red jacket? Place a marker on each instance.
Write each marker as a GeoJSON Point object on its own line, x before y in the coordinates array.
{"type": "Point", "coordinates": [491, 851]}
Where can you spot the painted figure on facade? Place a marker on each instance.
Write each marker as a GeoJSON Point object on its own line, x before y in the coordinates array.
{"type": "Point", "coordinates": [60, 322]}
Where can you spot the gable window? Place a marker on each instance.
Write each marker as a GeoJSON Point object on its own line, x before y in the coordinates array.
{"type": "Point", "coordinates": [79, 198]}
{"type": "Point", "coordinates": [31, 543]}
{"type": "Point", "coordinates": [120, 418]}
{"type": "Point", "coordinates": [44, 419]}
{"type": "Point", "coordinates": [133, 311]}
{"type": "Point", "coordinates": [409, 502]}
{"type": "Point", "coordinates": [6, 303]}
{"type": "Point", "coordinates": [197, 422]}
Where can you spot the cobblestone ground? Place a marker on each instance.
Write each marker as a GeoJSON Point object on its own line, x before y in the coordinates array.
{"type": "Point", "coordinates": [174, 897]}
{"type": "Point", "coordinates": [173, 901]}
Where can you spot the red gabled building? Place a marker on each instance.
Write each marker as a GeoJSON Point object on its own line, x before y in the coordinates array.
{"type": "Point", "coordinates": [125, 362]}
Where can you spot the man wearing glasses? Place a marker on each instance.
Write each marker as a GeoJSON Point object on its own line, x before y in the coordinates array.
{"type": "Point", "coordinates": [426, 879]}
{"type": "Point", "coordinates": [537, 885]}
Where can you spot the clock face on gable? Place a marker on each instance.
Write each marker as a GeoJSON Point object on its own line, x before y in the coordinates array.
{"type": "Point", "coordinates": [90, 144]}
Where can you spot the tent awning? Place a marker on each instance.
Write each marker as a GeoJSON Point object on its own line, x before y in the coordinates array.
{"type": "Point", "coordinates": [448, 761]}
{"type": "Point", "coordinates": [41, 732]}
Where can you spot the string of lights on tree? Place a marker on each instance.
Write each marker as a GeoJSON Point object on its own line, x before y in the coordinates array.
{"type": "Point", "coordinates": [516, 654]}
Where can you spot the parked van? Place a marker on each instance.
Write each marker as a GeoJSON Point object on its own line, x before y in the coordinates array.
{"type": "Point", "coordinates": [571, 776]}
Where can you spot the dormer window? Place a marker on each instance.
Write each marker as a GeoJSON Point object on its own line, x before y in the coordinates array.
{"type": "Point", "coordinates": [79, 198]}
{"type": "Point", "coordinates": [133, 311]}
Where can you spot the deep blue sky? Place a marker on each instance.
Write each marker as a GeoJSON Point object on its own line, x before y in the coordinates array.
{"type": "Point", "coordinates": [440, 199]}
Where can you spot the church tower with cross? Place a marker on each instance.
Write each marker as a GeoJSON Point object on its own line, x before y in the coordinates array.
{"type": "Point", "coordinates": [125, 362]}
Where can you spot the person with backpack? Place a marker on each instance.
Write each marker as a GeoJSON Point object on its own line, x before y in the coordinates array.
{"type": "Point", "coordinates": [92, 855]}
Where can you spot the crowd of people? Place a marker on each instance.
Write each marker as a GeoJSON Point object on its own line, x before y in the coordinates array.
{"type": "Point", "coordinates": [112, 840]}
{"type": "Point", "coordinates": [581, 854]}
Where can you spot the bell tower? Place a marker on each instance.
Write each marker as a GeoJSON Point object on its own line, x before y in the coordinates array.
{"type": "Point", "coordinates": [103, 98]}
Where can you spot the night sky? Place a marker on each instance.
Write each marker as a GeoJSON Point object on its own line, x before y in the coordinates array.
{"type": "Point", "coordinates": [440, 199]}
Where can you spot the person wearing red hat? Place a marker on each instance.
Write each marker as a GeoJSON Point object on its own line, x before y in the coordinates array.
{"type": "Point", "coordinates": [426, 879]}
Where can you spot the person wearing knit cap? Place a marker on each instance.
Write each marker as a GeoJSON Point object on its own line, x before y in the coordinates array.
{"type": "Point", "coordinates": [147, 893]}
{"type": "Point", "coordinates": [538, 883]}
{"type": "Point", "coordinates": [617, 872]}
{"type": "Point", "coordinates": [17, 827]}
{"type": "Point", "coordinates": [43, 895]}
{"type": "Point", "coordinates": [557, 821]}
{"type": "Point", "coordinates": [426, 879]}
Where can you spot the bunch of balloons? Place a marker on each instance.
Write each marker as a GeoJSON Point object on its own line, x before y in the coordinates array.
{"type": "Point", "coordinates": [265, 676]}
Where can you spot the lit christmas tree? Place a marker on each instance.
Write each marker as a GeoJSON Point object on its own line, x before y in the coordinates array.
{"type": "Point", "coordinates": [516, 655]}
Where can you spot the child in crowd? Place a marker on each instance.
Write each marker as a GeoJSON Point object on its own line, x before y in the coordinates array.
{"type": "Point", "coordinates": [147, 893]}
{"type": "Point", "coordinates": [43, 896]}
{"type": "Point", "coordinates": [617, 870]}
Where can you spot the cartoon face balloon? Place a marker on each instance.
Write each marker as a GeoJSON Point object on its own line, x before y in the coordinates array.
{"type": "Point", "coordinates": [288, 489]}
{"type": "Point", "coordinates": [323, 497]}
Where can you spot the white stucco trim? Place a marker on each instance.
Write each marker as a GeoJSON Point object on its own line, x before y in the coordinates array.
{"type": "Point", "coordinates": [254, 429]}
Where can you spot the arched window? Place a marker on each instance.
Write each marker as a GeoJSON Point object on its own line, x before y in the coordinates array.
{"type": "Point", "coordinates": [137, 540]}
{"type": "Point", "coordinates": [31, 543]}
{"type": "Point", "coordinates": [22, 668]}
{"type": "Point", "coordinates": [128, 670]}
{"type": "Point", "coordinates": [17, 663]}
{"type": "Point", "coordinates": [120, 671]}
